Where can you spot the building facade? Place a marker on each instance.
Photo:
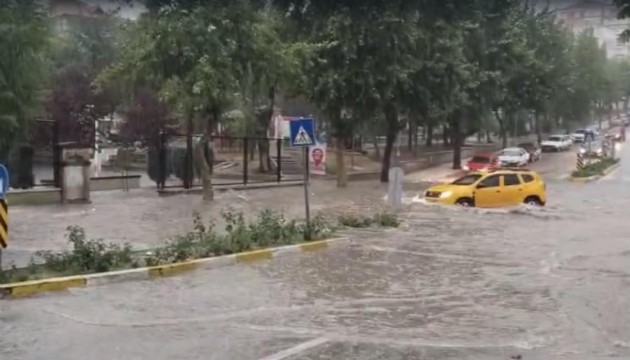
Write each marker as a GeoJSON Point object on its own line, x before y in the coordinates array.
{"type": "Point", "coordinates": [598, 16]}
{"type": "Point", "coordinates": [68, 13]}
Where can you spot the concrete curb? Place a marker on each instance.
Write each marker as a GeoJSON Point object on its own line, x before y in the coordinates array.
{"type": "Point", "coordinates": [589, 179]}
{"type": "Point", "coordinates": [29, 288]}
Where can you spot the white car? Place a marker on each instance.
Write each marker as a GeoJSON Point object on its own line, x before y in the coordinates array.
{"type": "Point", "coordinates": [557, 143]}
{"type": "Point", "coordinates": [583, 135]}
{"type": "Point", "coordinates": [513, 157]}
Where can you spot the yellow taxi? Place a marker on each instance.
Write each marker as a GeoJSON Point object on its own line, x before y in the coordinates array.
{"type": "Point", "coordinates": [495, 188]}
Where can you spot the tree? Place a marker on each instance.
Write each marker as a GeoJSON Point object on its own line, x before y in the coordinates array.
{"type": "Point", "coordinates": [204, 57]}
{"type": "Point", "coordinates": [78, 55]}
{"type": "Point", "coordinates": [24, 41]}
{"type": "Point", "coordinates": [145, 119]}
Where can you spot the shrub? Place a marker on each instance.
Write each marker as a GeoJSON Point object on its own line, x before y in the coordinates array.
{"type": "Point", "coordinates": [267, 229]}
{"type": "Point", "coordinates": [383, 219]}
{"type": "Point", "coordinates": [86, 256]}
{"type": "Point", "coordinates": [355, 221]}
{"type": "Point", "coordinates": [21, 167]}
{"type": "Point", "coordinates": [387, 219]}
{"type": "Point", "coordinates": [153, 164]}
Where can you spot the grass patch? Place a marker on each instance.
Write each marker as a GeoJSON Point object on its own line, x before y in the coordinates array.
{"type": "Point", "coordinates": [596, 168]}
{"type": "Point", "coordinates": [383, 219]}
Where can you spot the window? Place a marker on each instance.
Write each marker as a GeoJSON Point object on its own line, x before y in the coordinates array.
{"type": "Point", "coordinates": [490, 181]}
{"type": "Point", "coordinates": [527, 178]}
{"type": "Point", "coordinates": [467, 180]}
{"type": "Point", "coordinates": [511, 180]}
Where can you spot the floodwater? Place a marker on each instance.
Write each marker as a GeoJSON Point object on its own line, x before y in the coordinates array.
{"type": "Point", "coordinates": [451, 283]}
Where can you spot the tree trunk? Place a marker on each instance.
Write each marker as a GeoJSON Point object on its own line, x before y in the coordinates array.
{"type": "Point", "coordinates": [391, 117]}
{"type": "Point", "coordinates": [415, 141]}
{"type": "Point", "coordinates": [502, 129]}
{"type": "Point", "coordinates": [429, 135]}
{"type": "Point", "coordinates": [263, 145]}
{"type": "Point", "coordinates": [205, 170]}
{"type": "Point", "coordinates": [342, 173]}
{"type": "Point", "coordinates": [537, 127]}
{"type": "Point", "coordinates": [445, 135]}
{"type": "Point", "coordinates": [457, 140]}
{"type": "Point", "coordinates": [377, 149]}
{"type": "Point", "coordinates": [264, 163]}
{"type": "Point", "coordinates": [409, 136]}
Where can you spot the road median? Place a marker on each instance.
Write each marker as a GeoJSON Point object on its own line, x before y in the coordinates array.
{"type": "Point", "coordinates": [94, 262]}
{"type": "Point", "coordinates": [594, 171]}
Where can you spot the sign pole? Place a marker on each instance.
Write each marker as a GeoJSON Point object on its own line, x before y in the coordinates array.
{"type": "Point", "coordinates": [306, 196]}
{"type": "Point", "coordinates": [4, 210]}
{"type": "Point", "coordinates": [303, 135]}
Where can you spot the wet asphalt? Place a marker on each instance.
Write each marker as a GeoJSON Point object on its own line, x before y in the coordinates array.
{"type": "Point", "coordinates": [451, 283]}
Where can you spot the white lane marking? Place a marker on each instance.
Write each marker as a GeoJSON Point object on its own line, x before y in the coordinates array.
{"type": "Point", "coordinates": [297, 349]}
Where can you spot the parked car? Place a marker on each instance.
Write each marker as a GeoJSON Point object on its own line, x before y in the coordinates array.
{"type": "Point", "coordinates": [535, 153]}
{"type": "Point", "coordinates": [513, 157]}
{"type": "Point", "coordinates": [557, 143]}
{"type": "Point", "coordinates": [493, 189]}
{"type": "Point", "coordinates": [481, 162]}
{"type": "Point", "coordinates": [583, 135]}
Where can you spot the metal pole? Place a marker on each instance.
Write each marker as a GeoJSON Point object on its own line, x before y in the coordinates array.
{"type": "Point", "coordinates": [306, 201]}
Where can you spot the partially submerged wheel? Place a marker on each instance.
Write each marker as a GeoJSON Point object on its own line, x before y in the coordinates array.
{"type": "Point", "coordinates": [533, 201]}
{"type": "Point", "coordinates": [465, 202]}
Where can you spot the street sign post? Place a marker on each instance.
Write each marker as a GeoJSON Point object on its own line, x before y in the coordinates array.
{"type": "Point", "coordinates": [303, 135]}
{"type": "Point", "coordinates": [4, 181]}
{"type": "Point", "coordinates": [4, 210]}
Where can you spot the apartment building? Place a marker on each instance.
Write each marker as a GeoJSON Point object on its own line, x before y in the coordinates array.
{"type": "Point", "coordinates": [599, 16]}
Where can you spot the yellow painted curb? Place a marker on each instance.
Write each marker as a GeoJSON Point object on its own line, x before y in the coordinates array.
{"type": "Point", "coordinates": [580, 180]}
{"type": "Point", "coordinates": [171, 269]}
{"type": "Point", "coordinates": [314, 246]}
{"type": "Point", "coordinates": [255, 255]}
{"type": "Point", "coordinates": [28, 288]}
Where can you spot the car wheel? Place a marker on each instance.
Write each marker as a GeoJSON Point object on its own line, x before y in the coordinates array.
{"type": "Point", "coordinates": [465, 202]}
{"type": "Point", "coordinates": [533, 201]}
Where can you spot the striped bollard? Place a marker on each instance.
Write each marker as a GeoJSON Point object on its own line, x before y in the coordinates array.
{"type": "Point", "coordinates": [580, 161]}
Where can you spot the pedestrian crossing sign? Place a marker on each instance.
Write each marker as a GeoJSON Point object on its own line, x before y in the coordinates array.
{"type": "Point", "coordinates": [302, 132]}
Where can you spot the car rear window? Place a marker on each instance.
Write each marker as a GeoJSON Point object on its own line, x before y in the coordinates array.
{"type": "Point", "coordinates": [511, 180]}
{"type": "Point", "coordinates": [527, 178]}
{"type": "Point", "coordinates": [555, 138]}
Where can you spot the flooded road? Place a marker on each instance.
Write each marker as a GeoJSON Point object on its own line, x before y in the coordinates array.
{"type": "Point", "coordinates": [451, 283]}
